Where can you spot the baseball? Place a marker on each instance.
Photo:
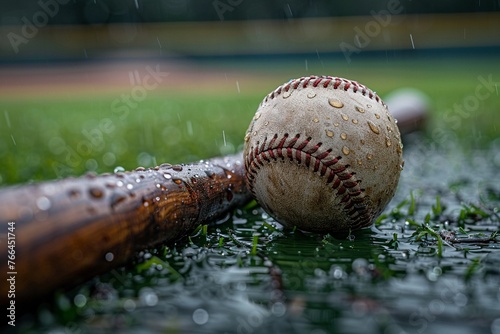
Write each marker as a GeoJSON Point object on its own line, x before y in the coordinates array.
{"type": "Point", "coordinates": [323, 154]}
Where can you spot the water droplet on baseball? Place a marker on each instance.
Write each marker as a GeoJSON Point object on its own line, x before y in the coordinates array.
{"type": "Point", "coordinates": [343, 136]}
{"type": "Point", "coordinates": [266, 123]}
{"type": "Point", "coordinates": [388, 141]}
{"type": "Point", "coordinates": [361, 110]}
{"type": "Point", "coordinates": [373, 127]}
{"type": "Point", "coordinates": [247, 137]}
{"type": "Point", "coordinates": [354, 121]}
{"type": "Point", "coordinates": [369, 156]}
{"type": "Point", "coordinates": [315, 120]}
{"type": "Point", "coordinates": [377, 116]}
{"type": "Point", "coordinates": [329, 133]}
{"type": "Point", "coordinates": [345, 150]}
{"type": "Point", "coordinates": [257, 116]}
{"type": "Point", "coordinates": [287, 94]}
{"type": "Point", "coordinates": [360, 162]}
{"type": "Point", "coordinates": [344, 117]}
{"type": "Point", "coordinates": [336, 124]}
{"type": "Point", "coordinates": [335, 103]}
{"type": "Point", "coordinates": [368, 105]}
{"type": "Point", "coordinates": [311, 95]}
{"type": "Point", "coordinates": [167, 176]}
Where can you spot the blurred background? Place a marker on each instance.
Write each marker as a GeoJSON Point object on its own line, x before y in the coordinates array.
{"type": "Point", "coordinates": [100, 84]}
{"type": "Point", "coordinates": [109, 85]}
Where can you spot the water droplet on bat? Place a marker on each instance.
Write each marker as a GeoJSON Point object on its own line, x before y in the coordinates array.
{"type": "Point", "coordinates": [96, 192]}
{"type": "Point", "coordinates": [43, 203]}
{"type": "Point", "coordinates": [118, 169]}
{"type": "Point", "coordinates": [74, 193]}
{"type": "Point", "coordinates": [210, 174]}
{"type": "Point", "coordinates": [335, 103]}
{"type": "Point", "coordinates": [117, 199]}
{"type": "Point", "coordinates": [229, 195]}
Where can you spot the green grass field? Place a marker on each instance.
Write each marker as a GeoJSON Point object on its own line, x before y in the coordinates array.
{"type": "Point", "coordinates": [247, 275]}
{"type": "Point", "coordinates": [57, 137]}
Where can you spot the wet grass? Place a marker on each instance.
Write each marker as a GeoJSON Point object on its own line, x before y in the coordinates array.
{"type": "Point", "coordinates": [429, 264]}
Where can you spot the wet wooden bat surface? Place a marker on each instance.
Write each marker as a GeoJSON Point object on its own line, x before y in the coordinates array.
{"type": "Point", "coordinates": [68, 231]}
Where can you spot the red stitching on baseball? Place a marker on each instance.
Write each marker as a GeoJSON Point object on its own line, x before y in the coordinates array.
{"type": "Point", "coordinates": [338, 83]}
{"type": "Point", "coordinates": [354, 200]}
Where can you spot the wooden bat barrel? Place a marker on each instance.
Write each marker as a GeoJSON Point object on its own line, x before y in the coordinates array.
{"type": "Point", "coordinates": [61, 233]}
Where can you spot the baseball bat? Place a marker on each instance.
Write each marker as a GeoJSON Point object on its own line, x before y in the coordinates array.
{"type": "Point", "coordinates": [58, 234]}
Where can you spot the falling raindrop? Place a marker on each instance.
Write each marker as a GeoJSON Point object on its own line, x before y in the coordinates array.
{"type": "Point", "coordinates": [412, 44]}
